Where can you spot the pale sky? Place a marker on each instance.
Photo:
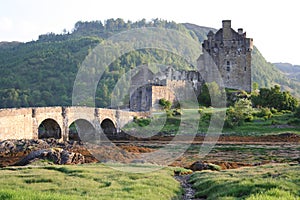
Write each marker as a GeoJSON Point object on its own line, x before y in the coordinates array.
{"type": "Point", "coordinates": [274, 25]}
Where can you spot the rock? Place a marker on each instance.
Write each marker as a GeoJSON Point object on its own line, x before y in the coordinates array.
{"type": "Point", "coordinates": [7, 146]}
{"type": "Point", "coordinates": [199, 166]}
{"type": "Point", "coordinates": [56, 155]}
{"type": "Point", "coordinates": [68, 158]}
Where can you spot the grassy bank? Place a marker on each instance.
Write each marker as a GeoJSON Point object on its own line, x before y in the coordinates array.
{"type": "Point", "coordinates": [169, 125]}
{"type": "Point", "coordinates": [85, 182]}
{"type": "Point", "coordinates": [269, 182]}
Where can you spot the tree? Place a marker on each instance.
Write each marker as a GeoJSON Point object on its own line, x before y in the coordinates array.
{"type": "Point", "coordinates": [274, 98]}
{"type": "Point", "coordinates": [239, 113]}
{"type": "Point", "coordinates": [209, 92]}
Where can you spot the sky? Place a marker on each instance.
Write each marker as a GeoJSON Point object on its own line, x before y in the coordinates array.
{"type": "Point", "coordinates": [273, 25]}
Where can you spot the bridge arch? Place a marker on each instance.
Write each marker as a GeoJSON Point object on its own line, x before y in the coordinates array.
{"type": "Point", "coordinates": [82, 129]}
{"type": "Point", "coordinates": [108, 127]}
{"type": "Point", "coordinates": [49, 128]}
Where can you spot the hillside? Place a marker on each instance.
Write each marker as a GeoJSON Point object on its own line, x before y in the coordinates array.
{"type": "Point", "coordinates": [291, 71]}
{"type": "Point", "coordinates": [42, 72]}
{"type": "Point", "coordinates": [267, 74]}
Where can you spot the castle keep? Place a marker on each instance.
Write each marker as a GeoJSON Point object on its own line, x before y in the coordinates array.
{"type": "Point", "coordinates": [230, 52]}
{"type": "Point", "coordinates": [225, 59]}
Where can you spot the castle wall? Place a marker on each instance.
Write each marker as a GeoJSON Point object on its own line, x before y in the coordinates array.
{"type": "Point", "coordinates": [161, 92]}
{"type": "Point", "coordinates": [175, 91]}
{"type": "Point", "coordinates": [140, 98]}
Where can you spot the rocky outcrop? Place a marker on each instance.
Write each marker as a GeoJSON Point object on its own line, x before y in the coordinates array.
{"type": "Point", "coordinates": [22, 152]}
{"type": "Point", "coordinates": [56, 155]}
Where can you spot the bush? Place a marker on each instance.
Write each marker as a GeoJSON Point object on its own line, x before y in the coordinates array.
{"type": "Point", "coordinates": [264, 113]}
{"type": "Point", "coordinates": [214, 167]}
{"type": "Point", "coordinates": [274, 122]}
{"type": "Point", "coordinates": [176, 112]}
{"type": "Point", "coordinates": [142, 121]}
{"type": "Point", "coordinates": [274, 110]}
{"type": "Point", "coordinates": [166, 104]}
{"type": "Point", "coordinates": [274, 98]}
{"type": "Point", "coordinates": [297, 112]}
{"type": "Point", "coordinates": [206, 117]}
{"type": "Point", "coordinates": [249, 118]}
{"type": "Point", "coordinates": [200, 111]}
{"type": "Point", "coordinates": [294, 122]}
{"type": "Point", "coordinates": [237, 115]}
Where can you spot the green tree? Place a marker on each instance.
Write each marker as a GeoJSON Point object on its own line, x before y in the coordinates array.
{"type": "Point", "coordinates": [274, 98]}
{"type": "Point", "coordinates": [208, 92]}
{"type": "Point", "coordinates": [239, 113]}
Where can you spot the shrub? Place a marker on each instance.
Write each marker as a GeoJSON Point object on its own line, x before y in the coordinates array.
{"type": "Point", "coordinates": [142, 121]}
{"type": "Point", "coordinates": [274, 122]}
{"type": "Point", "coordinates": [182, 171]}
{"type": "Point", "coordinates": [264, 113]}
{"type": "Point", "coordinates": [274, 110]}
{"type": "Point", "coordinates": [166, 104]}
{"type": "Point", "coordinates": [273, 97]}
{"type": "Point", "coordinates": [237, 115]}
{"type": "Point", "coordinates": [176, 112]}
{"type": "Point", "coordinates": [249, 118]}
{"type": "Point", "coordinates": [294, 122]}
{"type": "Point", "coordinates": [214, 167]}
{"type": "Point", "coordinates": [206, 117]}
{"type": "Point", "coordinates": [297, 112]}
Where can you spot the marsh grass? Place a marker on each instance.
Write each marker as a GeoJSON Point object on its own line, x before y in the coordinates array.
{"type": "Point", "coordinates": [94, 181]}
{"type": "Point", "coordinates": [269, 182]}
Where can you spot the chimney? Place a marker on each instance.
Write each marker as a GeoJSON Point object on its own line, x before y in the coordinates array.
{"type": "Point", "coordinates": [226, 24]}
{"type": "Point", "coordinates": [226, 29]}
{"type": "Point", "coordinates": [240, 31]}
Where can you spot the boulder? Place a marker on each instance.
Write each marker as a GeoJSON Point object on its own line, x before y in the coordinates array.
{"type": "Point", "coordinates": [56, 155]}
{"type": "Point", "coordinates": [199, 166]}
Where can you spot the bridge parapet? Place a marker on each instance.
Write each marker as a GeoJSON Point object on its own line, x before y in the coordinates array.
{"type": "Point", "coordinates": [29, 123]}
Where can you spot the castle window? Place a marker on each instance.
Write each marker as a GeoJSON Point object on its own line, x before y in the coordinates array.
{"type": "Point", "coordinates": [228, 66]}
{"type": "Point", "coordinates": [245, 68]}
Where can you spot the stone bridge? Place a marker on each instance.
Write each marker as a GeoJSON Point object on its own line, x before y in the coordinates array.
{"type": "Point", "coordinates": [61, 122]}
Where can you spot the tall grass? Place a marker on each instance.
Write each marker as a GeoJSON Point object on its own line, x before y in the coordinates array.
{"type": "Point", "coordinates": [86, 182]}
{"type": "Point", "coordinates": [270, 182]}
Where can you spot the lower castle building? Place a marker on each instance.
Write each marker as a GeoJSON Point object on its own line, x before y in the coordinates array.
{"type": "Point", "coordinates": [225, 59]}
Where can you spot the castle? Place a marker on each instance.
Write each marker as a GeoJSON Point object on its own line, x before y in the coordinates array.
{"type": "Point", "coordinates": [225, 59]}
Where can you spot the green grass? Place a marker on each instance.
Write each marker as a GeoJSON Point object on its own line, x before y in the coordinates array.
{"type": "Point", "coordinates": [278, 123]}
{"type": "Point", "coordinates": [269, 182]}
{"type": "Point", "coordinates": [94, 181]}
{"type": "Point", "coordinates": [259, 126]}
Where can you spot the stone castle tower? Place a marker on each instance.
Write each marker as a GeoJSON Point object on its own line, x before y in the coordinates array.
{"type": "Point", "coordinates": [230, 52]}
{"type": "Point", "coordinates": [226, 59]}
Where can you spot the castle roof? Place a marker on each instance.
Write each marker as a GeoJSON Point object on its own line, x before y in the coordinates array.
{"type": "Point", "coordinates": [235, 35]}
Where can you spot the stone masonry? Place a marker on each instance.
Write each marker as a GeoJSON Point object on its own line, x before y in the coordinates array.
{"type": "Point", "coordinates": [230, 52]}
{"type": "Point", "coordinates": [55, 122]}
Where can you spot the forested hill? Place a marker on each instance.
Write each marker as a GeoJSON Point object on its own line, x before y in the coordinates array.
{"type": "Point", "coordinates": [291, 71]}
{"type": "Point", "coordinates": [42, 72]}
